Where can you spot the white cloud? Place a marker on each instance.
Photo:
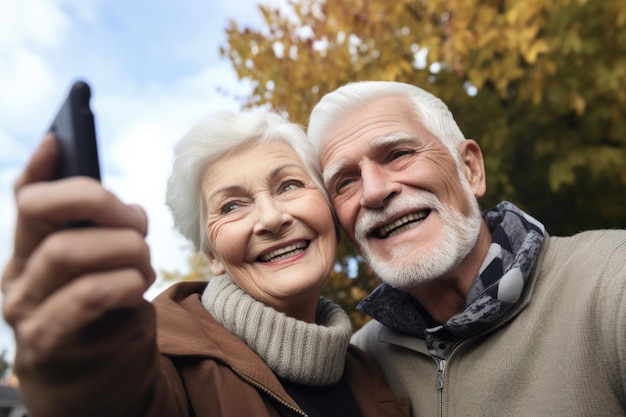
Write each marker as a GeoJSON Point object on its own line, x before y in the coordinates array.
{"type": "Point", "coordinates": [24, 76]}
{"type": "Point", "coordinates": [36, 22]}
{"type": "Point", "coordinates": [153, 75]}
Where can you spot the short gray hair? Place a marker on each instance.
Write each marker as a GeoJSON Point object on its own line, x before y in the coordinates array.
{"type": "Point", "coordinates": [431, 111]}
{"type": "Point", "coordinates": [210, 139]}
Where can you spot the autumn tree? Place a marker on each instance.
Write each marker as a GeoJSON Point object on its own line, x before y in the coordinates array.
{"type": "Point", "coordinates": [198, 269]}
{"type": "Point", "coordinates": [540, 84]}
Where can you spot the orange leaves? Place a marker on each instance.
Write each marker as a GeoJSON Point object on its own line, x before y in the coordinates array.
{"type": "Point", "coordinates": [547, 77]}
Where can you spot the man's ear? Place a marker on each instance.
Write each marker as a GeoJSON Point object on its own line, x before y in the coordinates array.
{"type": "Point", "coordinates": [473, 166]}
{"type": "Point", "coordinates": [215, 265]}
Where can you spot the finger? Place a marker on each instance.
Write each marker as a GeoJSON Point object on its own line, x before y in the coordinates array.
{"type": "Point", "coordinates": [78, 199]}
{"type": "Point", "coordinates": [40, 167]}
{"type": "Point", "coordinates": [42, 164]}
{"type": "Point", "coordinates": [43, 207]}
{"type": "Point", "coordinates": [77, 305]}
{"type": "Point", "coordinates": [70, 254]}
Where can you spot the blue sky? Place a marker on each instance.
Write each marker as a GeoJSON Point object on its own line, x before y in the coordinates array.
{"type": "Point", "coordinates": [154, 68]}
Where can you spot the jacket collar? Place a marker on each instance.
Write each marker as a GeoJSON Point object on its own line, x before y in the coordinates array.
{"type": "Point", "coordinates": [180, 312]}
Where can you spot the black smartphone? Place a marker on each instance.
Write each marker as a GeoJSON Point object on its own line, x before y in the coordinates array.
{"type": "Point", "coordinates": [74, 129]}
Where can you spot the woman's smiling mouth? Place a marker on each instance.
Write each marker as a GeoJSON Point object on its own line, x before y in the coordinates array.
{"type": "Point", "coordinates": [284, 252]}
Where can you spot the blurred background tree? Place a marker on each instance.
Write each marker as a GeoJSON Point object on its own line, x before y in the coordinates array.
{"type": "Point", "coordinates": [539, 84]}
{"type": "Point", "coordinates": [5, 365]}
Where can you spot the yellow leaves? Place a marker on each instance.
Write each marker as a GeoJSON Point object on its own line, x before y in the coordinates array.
{"type": "Point", "coordinates": [532, 51]}
{"type": "Point", "coordinates": [357, 293]}
{"type": "Point", "coordinates": [550, 109]}
{"type": "Point", "coordinates": [562, 173]}
{"type": "Point", "coordinates": [523, 14]}
{"type": "Point", "coordinates": [578, 103]}
{"type": "Point", "coordinates": [560, 56]}
{"type": "Point", "coordinates": [198, 270]}
{"type": "Point", "coordinates": [525, 21]}
{"type": "Point", "coordinates": [485, 16]}
{"type": "Point", "coordinates": [394, 71]}
{"type": "Point", "coordinates": [620, 12]}
{"type": "Point", "coordinates": [526, 41]}
{"type": "Point", "coordinates": [600, 160]}
{"type": "Point", "coordinates": [477, 40]}
{"type": "Point", "coordinates": [487, 38]}
{"type": "Point", "coordinates": [490, 41]}
{"type": "Point", "coordinates": [572, 43]}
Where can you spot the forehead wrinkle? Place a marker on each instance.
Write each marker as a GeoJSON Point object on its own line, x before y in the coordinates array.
{"type": "Point", "coordinates": [288, 165]}
{"type": "Point", "coordinates": [394, 138]}
{"type": "Point", "coordinates": [377, 142]}
{"type": "Point", "coordinates": [276, 172]}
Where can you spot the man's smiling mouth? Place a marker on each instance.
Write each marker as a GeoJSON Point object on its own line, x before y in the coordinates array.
{"type": "Point", "coordinates": [284, 252]}
{"type": "Point", "coordinates": [400, 225]}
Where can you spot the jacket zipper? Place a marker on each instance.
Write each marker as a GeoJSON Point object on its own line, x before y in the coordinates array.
{"type": "Point", "coordinates": [270, 393]}
{"type": "Point", "coordinates": [441, 373]}
{"type": "Point", "coordinates": [442, 364]}
{"type": "Point", "coordinates": [441, 370]}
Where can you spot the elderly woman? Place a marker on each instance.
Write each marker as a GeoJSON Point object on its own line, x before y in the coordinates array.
{"type": "Point", "coordinates": [256, 341]}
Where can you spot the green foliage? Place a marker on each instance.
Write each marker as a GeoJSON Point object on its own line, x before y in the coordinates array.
{"type": "Point", "coordinates": [540, 84]}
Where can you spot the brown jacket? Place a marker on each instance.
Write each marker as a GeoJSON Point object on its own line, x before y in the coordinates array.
{"type": "Point", "coordinates": [199, 369]}
{"type": "Point", "coordinates": [224, 377]}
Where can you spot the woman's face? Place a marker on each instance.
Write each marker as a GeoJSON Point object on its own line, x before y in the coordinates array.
{"type": "Point", "coordinates": [269, 227]}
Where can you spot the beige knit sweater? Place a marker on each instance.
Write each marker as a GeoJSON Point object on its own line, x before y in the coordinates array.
{"type": "Point", "coordinates": [561, 352]}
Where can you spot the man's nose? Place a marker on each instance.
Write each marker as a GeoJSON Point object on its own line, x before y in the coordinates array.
{"type": "Point", "coordinates": [377, 186]}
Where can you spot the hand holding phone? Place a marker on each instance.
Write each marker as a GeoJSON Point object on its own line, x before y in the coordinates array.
{"type": "Point", "coordinates": [74, 129]}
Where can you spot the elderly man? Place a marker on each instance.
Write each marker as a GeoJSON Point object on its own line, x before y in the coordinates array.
{"type": "Point", "coordinates": [480, 314]}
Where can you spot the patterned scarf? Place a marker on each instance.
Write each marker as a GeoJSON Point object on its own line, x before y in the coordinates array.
{"type": "Point", "coordinates": [516, 241]}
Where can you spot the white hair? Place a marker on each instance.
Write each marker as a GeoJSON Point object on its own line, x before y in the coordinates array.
{"type": "Point", "coordinates": [431, 111]}
{"type": "Point", "coordinates": [209, 140]}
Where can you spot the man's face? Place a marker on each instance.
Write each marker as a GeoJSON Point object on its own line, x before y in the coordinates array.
{"type": "Point", "coordinates": [399, 194]}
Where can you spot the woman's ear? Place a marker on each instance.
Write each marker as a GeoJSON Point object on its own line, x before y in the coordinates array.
{"type": "Point", "coordinates": [473, 166]}
{"type": "Point", "coordinates": [215, 265]}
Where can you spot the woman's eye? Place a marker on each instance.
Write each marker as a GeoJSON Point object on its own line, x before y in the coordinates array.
{"type": "Point", "coordinates": [290, 185]}
{"type": "Point", "coordinates": [230, 206]}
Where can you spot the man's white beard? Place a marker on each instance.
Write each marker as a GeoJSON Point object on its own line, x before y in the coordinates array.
{"type": "Point", "coordinates": [407, 269]}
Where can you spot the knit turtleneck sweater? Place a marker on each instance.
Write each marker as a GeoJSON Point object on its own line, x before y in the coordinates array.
{"type": "Point", "coordinates": [300, 352]}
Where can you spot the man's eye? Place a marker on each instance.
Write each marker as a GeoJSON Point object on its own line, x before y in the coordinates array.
{"type": "Point", "coordinates": [343, 183]}
{"type": "Point", "coordinates": [399, 153]}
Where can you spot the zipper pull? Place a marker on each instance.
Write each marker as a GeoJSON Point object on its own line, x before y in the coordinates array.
{"type": "Point", "coordinates": [441, 368]}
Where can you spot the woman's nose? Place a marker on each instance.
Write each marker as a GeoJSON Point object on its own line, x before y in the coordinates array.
{"type": "Point", "coordinates": [271, 216]}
